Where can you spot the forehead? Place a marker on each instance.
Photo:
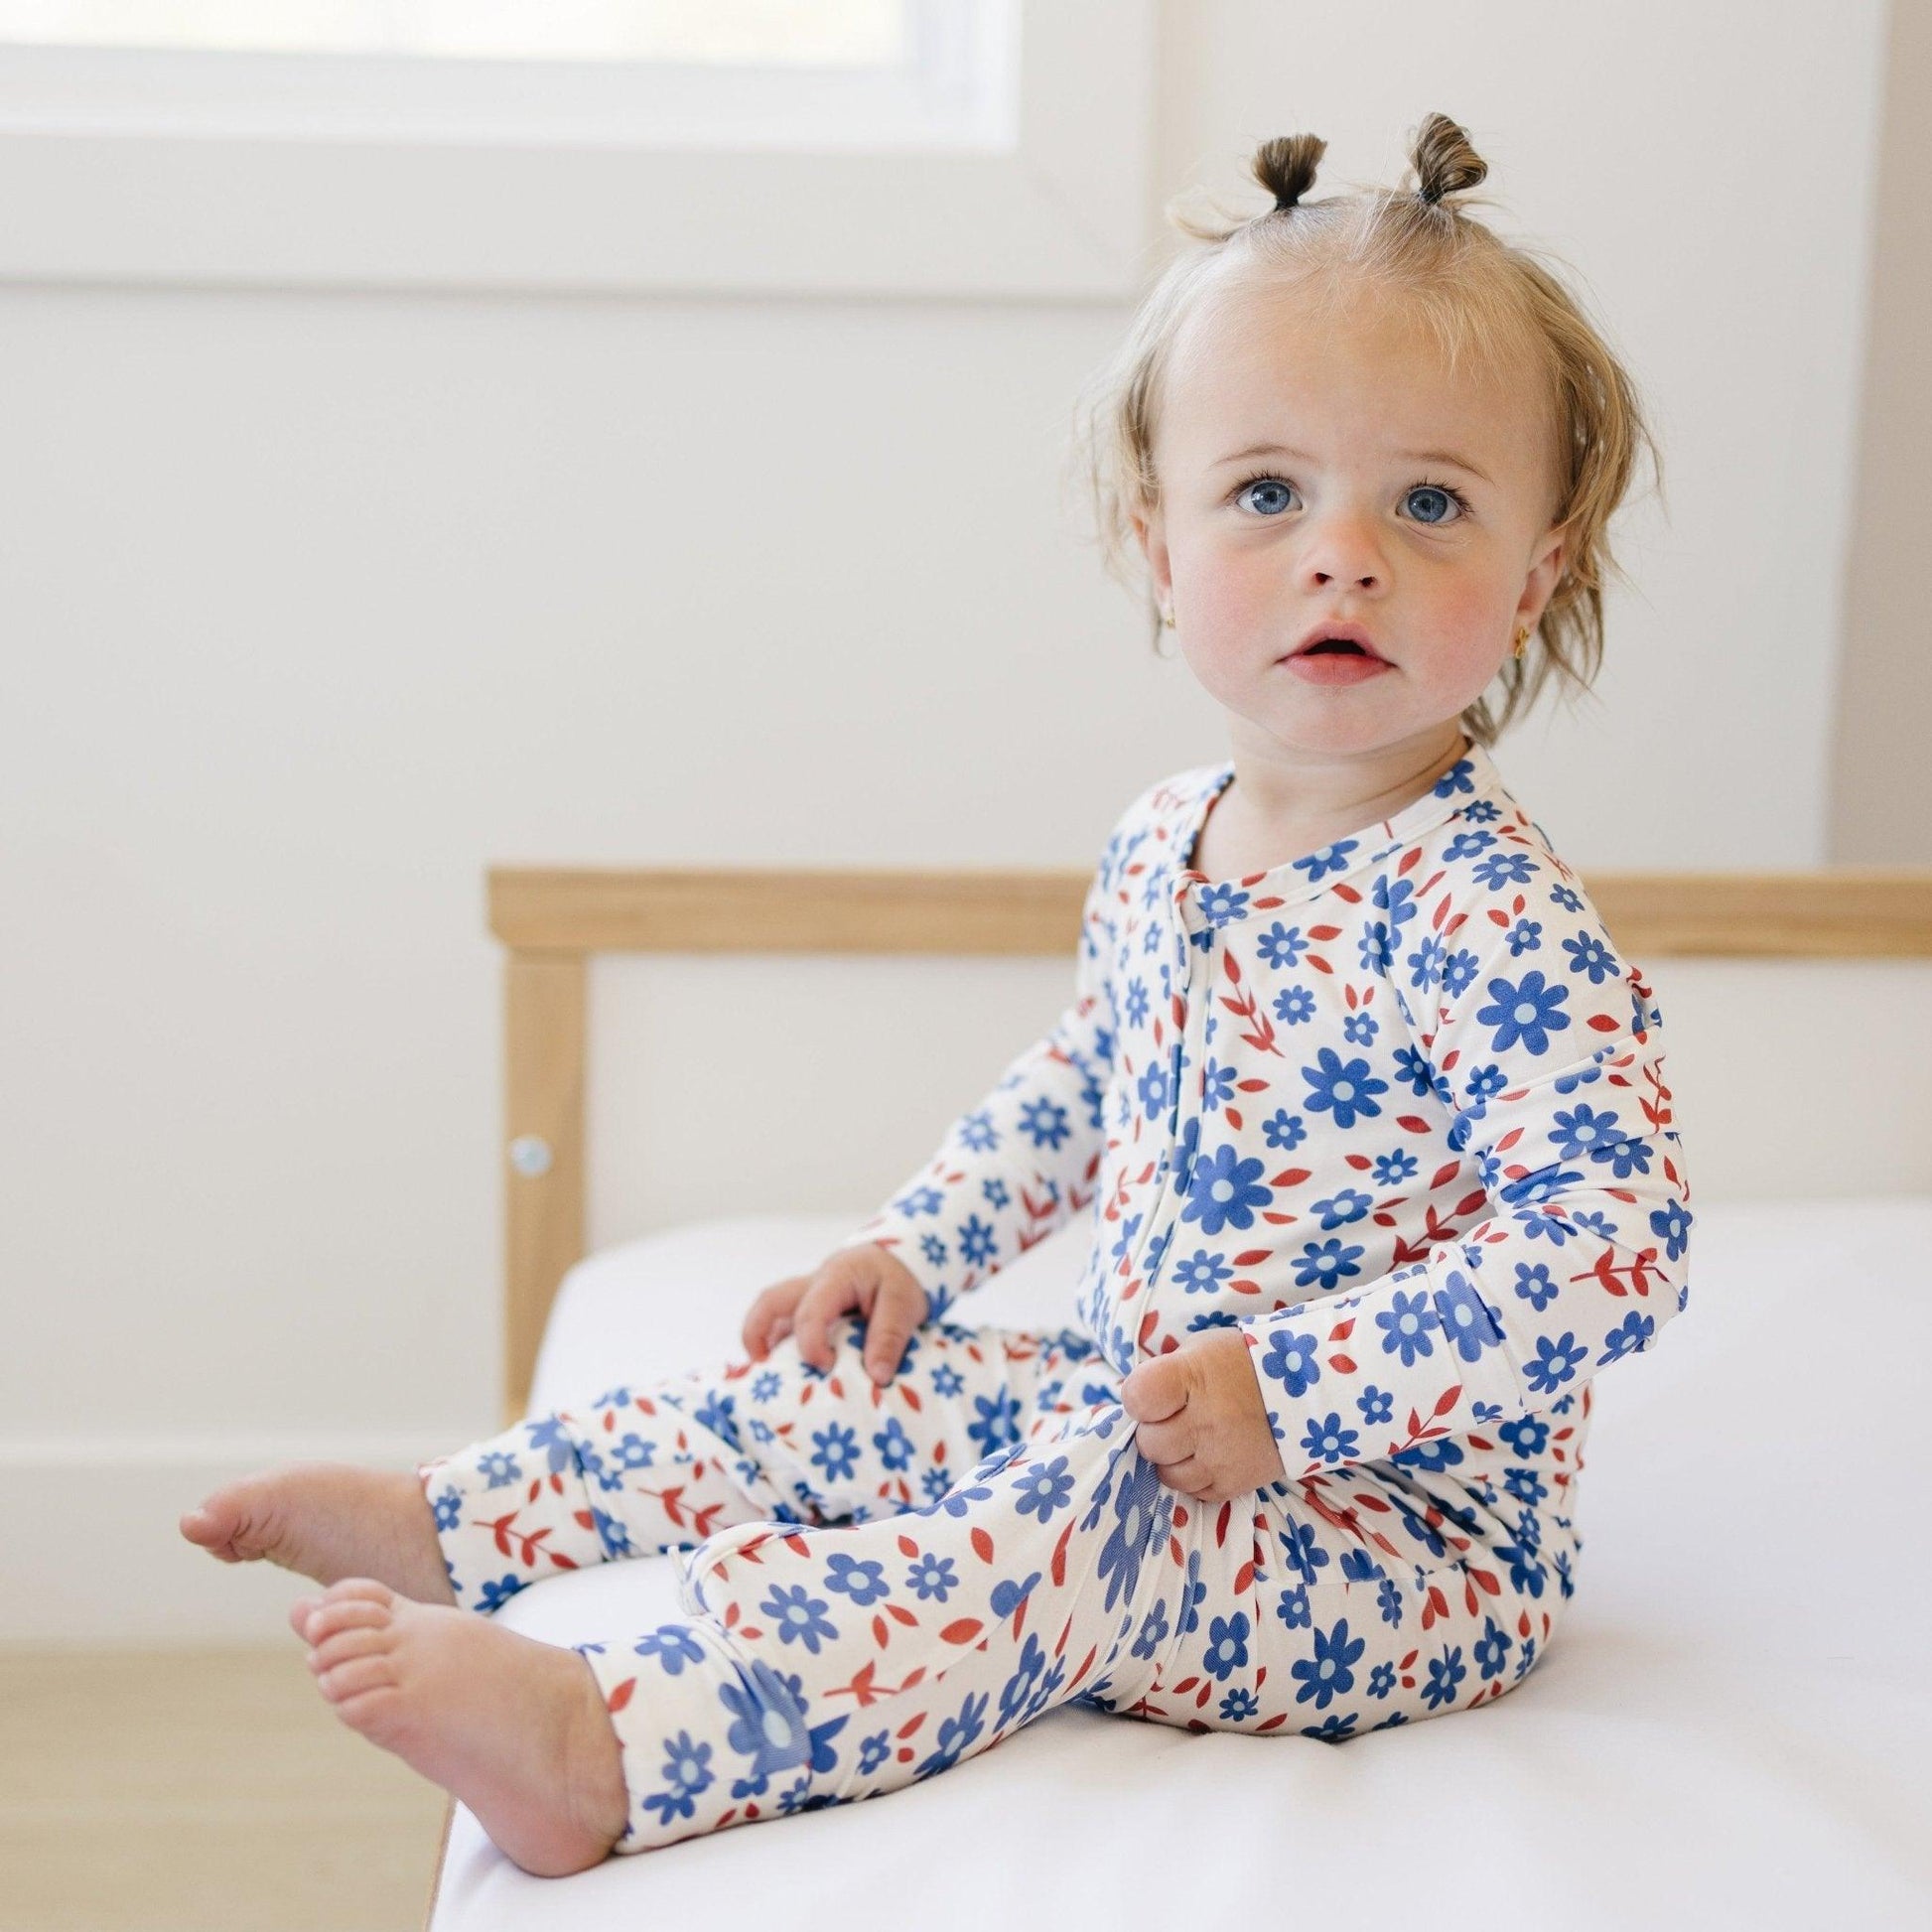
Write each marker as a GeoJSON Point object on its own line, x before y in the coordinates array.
{"type": "Point", "coordinates": [1353, 369]}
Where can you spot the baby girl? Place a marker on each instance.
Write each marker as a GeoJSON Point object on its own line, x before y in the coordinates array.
{"type": "Point", "coordinates": [1362, 1107]}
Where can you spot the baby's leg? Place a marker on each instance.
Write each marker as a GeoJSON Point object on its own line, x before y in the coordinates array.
{"type": "Point", "coordinates": [819, 1666]}
{"type": "Point", "coordinates": [665, 1464]}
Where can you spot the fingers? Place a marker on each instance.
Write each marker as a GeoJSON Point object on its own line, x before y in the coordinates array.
{"type": "Point", "coordinates": [1166, 1441]}
{"type": "Point", "coordinates": [1186, 1475]}
{"type": "Point", "coordinates": [887, 1334]}
{"type": "Point", "coordinates": [821, 1305]}
{"type": "Point", "coordinates": [1155, 1390]}
{"type": "Point", "coordinates": [768, 1319]}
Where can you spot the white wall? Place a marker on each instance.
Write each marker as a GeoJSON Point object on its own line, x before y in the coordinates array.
{"type": "Point", "coordinates": [316, 604]}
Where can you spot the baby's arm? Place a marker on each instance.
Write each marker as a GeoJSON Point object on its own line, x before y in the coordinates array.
{"type": "Point", "coordinates": [1553, 1058]}
{"type": "Point", "coordinates": [1012, 1168]}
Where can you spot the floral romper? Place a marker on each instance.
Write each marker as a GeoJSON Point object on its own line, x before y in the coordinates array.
{"type": "Point", "coordinates": [1393, 1111]}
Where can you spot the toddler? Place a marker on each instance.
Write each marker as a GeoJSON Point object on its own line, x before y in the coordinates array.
{"type": "Point", "coordinates": [1363, 1108]}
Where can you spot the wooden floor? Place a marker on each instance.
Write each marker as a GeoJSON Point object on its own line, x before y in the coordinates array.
{"type": "Point", "coordinates": [199, 1791]}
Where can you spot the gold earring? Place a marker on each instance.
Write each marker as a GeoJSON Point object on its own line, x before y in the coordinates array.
{"type": "Point", "coordinates": [1521, 638]}
{"type": "Point", "coordinates": [1167, 617]}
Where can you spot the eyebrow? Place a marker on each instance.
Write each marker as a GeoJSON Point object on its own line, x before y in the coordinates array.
{"type": "Point", "coordinates": [1415, 456]}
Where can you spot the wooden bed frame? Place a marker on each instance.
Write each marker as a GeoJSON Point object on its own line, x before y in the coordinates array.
{"type": "Point", "coordinates": [551, 921]}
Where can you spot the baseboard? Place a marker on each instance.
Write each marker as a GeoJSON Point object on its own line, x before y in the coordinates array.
{"type": "Point", "coordinates": [93, 1552]}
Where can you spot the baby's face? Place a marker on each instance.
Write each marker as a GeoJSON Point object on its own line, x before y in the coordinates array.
{"type": "Point", "coordinates": [1251, 552]}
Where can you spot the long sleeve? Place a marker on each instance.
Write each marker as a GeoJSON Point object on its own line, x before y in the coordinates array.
{"type": "Point", "coordinates": [1547, 1049]}
{"type": "Point", "coordinates": [1012, 1168]}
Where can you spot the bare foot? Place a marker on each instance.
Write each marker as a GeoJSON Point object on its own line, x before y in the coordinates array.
{"type": "Point", "coordinates": [327, 1521]}
{"type": "Point", "coordinates": [515, 1729]}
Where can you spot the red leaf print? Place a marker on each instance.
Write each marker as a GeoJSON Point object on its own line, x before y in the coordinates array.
{"type": "Point", "coordinates": [1345, 1364]}
{"type": "Point", "coordinates": [964, 1630]}
{"type": "Point", "coordinates": [907, 1548]}
{"type": "Point", "coordinates": [621, 1695]}
{"type": "Point", "coordinates": [982, 1542]}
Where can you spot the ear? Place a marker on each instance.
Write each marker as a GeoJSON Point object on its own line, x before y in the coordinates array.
{"type": "Point", "coordinates": [1545, 573]}
{"type": "Point", "coordinates": [1150, 530]}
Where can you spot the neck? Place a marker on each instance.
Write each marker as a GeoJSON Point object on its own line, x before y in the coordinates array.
{"type": "Point", "coordinates": [1285, 787]}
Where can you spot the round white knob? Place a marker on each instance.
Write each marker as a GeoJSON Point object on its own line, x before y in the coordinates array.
{"type": "Point", "coordinates": [530, 1154]}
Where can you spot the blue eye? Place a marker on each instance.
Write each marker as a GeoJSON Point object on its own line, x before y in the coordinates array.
{"type": "Point", "coordinates": [1437, 490]}
{"type": "Point", "coordinates": [1437, 514]}
{"type": "Point", "coordinates": [1272, 482]}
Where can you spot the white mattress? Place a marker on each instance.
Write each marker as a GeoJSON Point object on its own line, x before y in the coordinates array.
{"type": "Point", "coordinates": [1732, 1726]}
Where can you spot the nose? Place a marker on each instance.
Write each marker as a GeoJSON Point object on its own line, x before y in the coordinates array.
{"type": "Point", "coordinates": [1342, 552]}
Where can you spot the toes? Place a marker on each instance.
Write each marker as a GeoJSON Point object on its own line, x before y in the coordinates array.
{"type": "Point", "coordinates": [345, 1614]}
{"type": "Point", "coordinates": [361, 1589]}
{"type": "Point", "coordinates": [346, 1646]}
{"type": "Point", "coordinates": [354, 1675]}
{"type": "Point", "coordinates": [300, 1613]}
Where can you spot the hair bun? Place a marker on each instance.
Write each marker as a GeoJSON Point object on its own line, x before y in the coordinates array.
{"type": "Point", "coordinates": [1443, 160]}
{"type": "Point", "coordinates": [1284, 166]}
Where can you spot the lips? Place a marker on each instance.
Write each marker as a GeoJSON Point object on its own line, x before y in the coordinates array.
{"type": "Point", "coordinates": [1352, 632]}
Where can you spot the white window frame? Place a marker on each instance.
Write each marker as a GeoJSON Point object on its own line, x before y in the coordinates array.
{"type": "Point", "coordinates": [1060, 209]}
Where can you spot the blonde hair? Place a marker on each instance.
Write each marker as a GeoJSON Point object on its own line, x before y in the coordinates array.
{"type": "Point", "coordinates": [1476, 293]}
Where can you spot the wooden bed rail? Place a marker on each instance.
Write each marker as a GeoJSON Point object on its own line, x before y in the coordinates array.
{"type": "Point", "coordinates": [551, 920]}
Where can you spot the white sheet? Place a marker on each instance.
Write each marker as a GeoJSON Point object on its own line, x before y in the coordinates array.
{"type": "Point", "coordinates": [1731, 1727]}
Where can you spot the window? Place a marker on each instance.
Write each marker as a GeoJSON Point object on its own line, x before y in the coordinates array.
{"type": "Point", "coordinates": [833, 146]}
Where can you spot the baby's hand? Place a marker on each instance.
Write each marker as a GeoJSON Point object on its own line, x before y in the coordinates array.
{"type": "Point", "coordinates": [883, 1291]}
{"type": "Point", "coordinates": [1202, 1422]}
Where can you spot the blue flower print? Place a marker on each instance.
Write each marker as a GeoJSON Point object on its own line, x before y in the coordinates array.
{"type": "Point", "coordinates": [1328, 1442]}
{"type": "Point", "coordinates": [1203, 1273]}
{"type": "Point", "coordinates": [1376, 1405]}
{"type": "Point", "coordinates": [1227, 1645]}
{"type": "Point", "coordinates": [1326, 1264]}
{"type": "Point", "coordinates": [673, 1645]}
{"type": "Point", "coordinates": [1499, 871]}
{"type": "Point", "coordinates": [1225, 1191]}
{"type": "Point", "coordinates": [495, 1595]}
{"type": "Point", "coordinates": [686, 1772]}
{"type": "Point", "coordinates": [1405, 1327]}
{"type": "Point", "coordinates": [1556, 1363]}
{"type": "Point", "coordinates": [1393, 1169]}
{"type": "Point", "coordinates": [1282, 947]}
{"type": "Point", "coordinates": [1345, 1088]}
{"type": "Point", "coordinates": [1470, 1323]}
{"type": "Point", "coordinates": [1426, 963]}
{"type": "Point", "coordinates": [1672, 1226]}
{"type": "Point", "coordinates": [835, 1451]}
{"type": "Point", "coordinates": [1223, 904]}
{"type": "Point", "coordinates": [864, 1582]}
{"type": "Point", "coordinates": [1284, 1131]}
{"type": "Point", "coordinates": [449, 1509]}
{"type": "Point", "coordinates": [1045, 1124]}
{"type": "Point", "coordinates": [1340, 1209]}
{"type": "Point", "coordinates": [769, 1723]}
{"type": "Point", "coordinates": [1288, 1357]}
{"type": "Point", "coordinates": [1526, 935]}
{"type": "Point", "coordinates": [1445, 1675]}
{"type": "Point", "coordinates": [1044, 1488]}
{"type": "Point", "coordinates": [1589, 954]}
{"type": "Point", "coordinates": [1331, 858]}
{"type": "Point", "coordinates": [799, 1615]}
{"type": "Point", "coordinates": [502, 1469]}
{"type": "Point", "coordinates": [932, 1578]}
{"type": "Point", "coordinates": [1293, 1005]}
{"type": "Point", "coordinates": [1526, 1010]}
{"type": "Point", "coordinates": [1360, 1029]}
{"type": "Point", "coordinates": [1152, 1090]}
{"type": "Point", "coordinates": [955, 1734]}
{"type": "Point", "coordinates": [1631, 1336]}
{"type": "Point", "coordinates": [1329, 1673]}
{"type": "Point", "coordinates": [1139, 1524]}
{"type": "Point", "coordinates": [892, 1445]}
{"type": "Point", "coordinates": [1217, 1086]}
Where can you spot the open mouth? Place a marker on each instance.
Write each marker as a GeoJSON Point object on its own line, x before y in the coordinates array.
{"type": "Point", "coordinates": [1333, 647]}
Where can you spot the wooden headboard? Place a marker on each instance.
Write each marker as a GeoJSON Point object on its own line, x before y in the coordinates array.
{"type": "Point", "coordinates": [551, 921]}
